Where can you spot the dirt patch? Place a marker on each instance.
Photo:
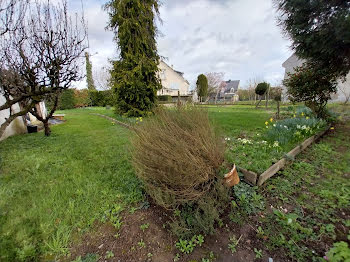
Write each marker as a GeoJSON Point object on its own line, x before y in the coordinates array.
{"type": "Point", "coordinates": [160, 243]}
{"type": "Point", "coordinates": [131, 243]}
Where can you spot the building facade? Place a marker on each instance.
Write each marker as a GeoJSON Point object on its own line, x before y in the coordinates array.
{"type": "Point", "coordinates": [294, 61]}
{"type": "Point", "coordinates": [173, 81]}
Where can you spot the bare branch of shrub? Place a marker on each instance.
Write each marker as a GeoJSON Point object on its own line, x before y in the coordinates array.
{"type": "Point", "coordinates": [177, 154]}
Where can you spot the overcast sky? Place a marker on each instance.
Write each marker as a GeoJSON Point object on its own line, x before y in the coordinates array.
{"type": "Point", "coordinates": [237, 37]}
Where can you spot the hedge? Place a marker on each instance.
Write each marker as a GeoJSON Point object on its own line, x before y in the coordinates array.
{"type": "Point", "coordinates": [165, 98]}
{"type": "Point", "coordinates": [101, 98]}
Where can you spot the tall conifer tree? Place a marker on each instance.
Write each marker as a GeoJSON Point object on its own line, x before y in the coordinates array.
{"type": "Point", "coordinates": [134, 75]}
{"type": "Point", "coordinates": [89, 78]}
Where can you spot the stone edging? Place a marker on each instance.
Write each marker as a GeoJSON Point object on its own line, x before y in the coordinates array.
{"type": "Point", "coordinates": [114, 120]}
{"type": "Point", "coordinates": [258, 180]}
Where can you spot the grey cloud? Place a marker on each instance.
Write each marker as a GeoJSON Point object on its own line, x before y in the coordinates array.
{"type": "Point", "coordinates": [238, 37]}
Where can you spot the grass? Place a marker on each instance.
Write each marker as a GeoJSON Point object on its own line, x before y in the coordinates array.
{"type": "Point", "coordinates": [230, 120]}
{"type": "Point", "coordinates": [52, 188]}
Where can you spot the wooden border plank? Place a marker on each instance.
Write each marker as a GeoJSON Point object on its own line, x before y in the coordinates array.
{"type": "Point", "coordinates": [249, 176]}
{"type": "Point", "coordinates": [293, 153]}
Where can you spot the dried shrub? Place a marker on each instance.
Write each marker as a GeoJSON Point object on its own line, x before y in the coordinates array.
{"type": "Point", "coordinates": [177, 154]}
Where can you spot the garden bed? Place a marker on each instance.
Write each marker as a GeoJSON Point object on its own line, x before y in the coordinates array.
{"type": "Point", "coordinates": [261, 155]}
{"type": "Point", "coordinates": [256, 179]}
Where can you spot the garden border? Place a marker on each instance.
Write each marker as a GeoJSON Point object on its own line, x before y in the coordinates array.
{"type": "Point", "coordinates": [256, 179]}
{"type": "Point", "coordinates": [114, 120]}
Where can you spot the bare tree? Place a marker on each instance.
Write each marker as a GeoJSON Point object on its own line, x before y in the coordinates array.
{"type": "Point", "coordinates": [45, 52]}
{"type": "Point", "coordinates": [215, 80]}
{"type": "Point", "coordinates": [11, 13]}
{"type": "Point", "coordinates": [102, 78]}
{"type": "Point", "coordinates": [252, 84]}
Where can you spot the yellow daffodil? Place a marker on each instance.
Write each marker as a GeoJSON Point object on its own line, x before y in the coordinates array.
{"type": "Point", "coordinates": [302, 114]}
{"type": "Point", "coordinates": [295, 116]}
{"type": "Point", "coordinates": [307, 117]}
{"type": "Point", "coordinates": [271, 119]}
{"type": "Point", "coordinates": [266, 123]}
{"type": "Point", "coordinates": [332, 128]}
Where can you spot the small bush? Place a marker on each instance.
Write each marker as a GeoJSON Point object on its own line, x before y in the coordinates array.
{"type": "Point", "coordinates": [177, 155]}
{"type": "Point", "coordinates": [261, 88]}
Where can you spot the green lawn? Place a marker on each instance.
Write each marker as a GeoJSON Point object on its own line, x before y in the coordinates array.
{"type": "Point", "coordinates": [230, 120]}
{"type": "Point", "coordinates": [52, 188]}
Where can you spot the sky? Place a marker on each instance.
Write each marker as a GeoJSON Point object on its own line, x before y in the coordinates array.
{"type": "Point", "coordinates": [237, 37]}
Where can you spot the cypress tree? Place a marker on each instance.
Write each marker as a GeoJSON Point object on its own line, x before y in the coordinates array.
{"type": "Point", "coordinates": [134, 75]}
{"type": "Point", "coordinates": [89, 78]}
{"type": "Point", "coordinates": [202, 87]}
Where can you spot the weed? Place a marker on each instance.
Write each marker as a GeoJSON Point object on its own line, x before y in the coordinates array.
{"type": "Point", "coordinates": [339, 252]}
{"type": "Point", "coordinates": [210, 258]}
{"type": "Point", "coordinates": [187, 246]}
{"type": "Point", "coordinates": [248, 201]}
{"type": "Point", "coordinates": [233, 243]}
{"type": "Point", "coordinates": [177, 257]}
{"type": "Point", "coordinates": [143, 227]}
{"type": "Point", "coordinates": [87, 258]}
{"type": "Point", "coordinates": [109, 254]}
{"type": "Point", "coordinates": [141, 244]}
{"type": "Point", "coordinates": [149, 255]}
{"type": "Point", "coordinates": [132, 210]}
{"type": "Point", "coordinates": [260, 232]}
{"type": "Point", "coordinates": [258, 253]}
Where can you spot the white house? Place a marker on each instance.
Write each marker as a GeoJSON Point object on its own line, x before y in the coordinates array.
{"type": "Point", "coordinates": [343, 87]}
{"type": "Point", "coordinates": [173, 81]}
{"type": "Point", "coordinates": [17, 126]}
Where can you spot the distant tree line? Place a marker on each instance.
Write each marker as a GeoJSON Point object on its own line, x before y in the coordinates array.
{"type": "Point", "coordinates": [75, 98]}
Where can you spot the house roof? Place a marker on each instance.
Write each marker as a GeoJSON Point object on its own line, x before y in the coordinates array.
{"type": "Point", "coordinates": [178, 72]}
{"type": "Point", "coordinates": [231, 84]}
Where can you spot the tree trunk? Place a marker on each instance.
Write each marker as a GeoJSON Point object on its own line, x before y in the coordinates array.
{"type": "Point", "coordinates": [257, 105]}
{"type": "Point", "coordinates": [267, 97]}
{"type": "Point", "coordinates": [47, 127]}
{"type": "Point", "coordinates": [278, 109]}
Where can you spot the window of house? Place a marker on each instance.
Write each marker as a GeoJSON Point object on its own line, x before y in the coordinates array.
{"type": "Point", "coordinates": [162, 74]}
